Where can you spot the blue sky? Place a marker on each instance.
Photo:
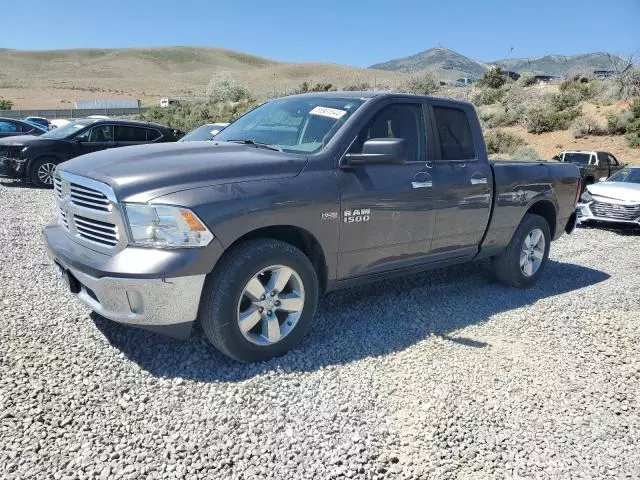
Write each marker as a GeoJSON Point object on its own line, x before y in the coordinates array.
{"type": "Point", "coordinates": [347, 32]}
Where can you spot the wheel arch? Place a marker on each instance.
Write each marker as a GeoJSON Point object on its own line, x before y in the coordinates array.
{"type": "Point", "coordinates": [546, 210]}
{"type": "Point", "coordinates": [297, 237]}
{"type": "Point", "coordinates": [34, 159]}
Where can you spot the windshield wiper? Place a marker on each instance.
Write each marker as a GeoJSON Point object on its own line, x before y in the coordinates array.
{"type": "Point", "coordinates": [257, 144]}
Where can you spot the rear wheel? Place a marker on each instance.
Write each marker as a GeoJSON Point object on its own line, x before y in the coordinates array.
{"type": "Point", "coordinates": [41, 172]}
{"type": "Point", "coordinates": [260, 300]}
{"type": "Point", "coordinates": [523, 262]}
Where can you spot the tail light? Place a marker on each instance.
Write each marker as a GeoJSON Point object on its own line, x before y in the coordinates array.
{"type": "Point", "coordinates": [578, 192]}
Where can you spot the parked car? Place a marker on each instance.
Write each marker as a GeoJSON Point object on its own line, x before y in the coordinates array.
{"type": "Point", "coordinates": [10, 127]}
{"type": "Point", "coordinates": [464, 82]}
{"type": "Point", "coordinates": [594, 166]}
{"type": "Point", "coordinates": [204, 132]}
{"type": "Point", "coordinates": [40, 121]}
{"type": "Point", "coordinates": [59, 122]}
{"type": "Point", "coordinates": [35, 158]}
{"type": "Point", "coordinates": [616, 200]}
{"type": "Point", "coordinates": [302, 195]}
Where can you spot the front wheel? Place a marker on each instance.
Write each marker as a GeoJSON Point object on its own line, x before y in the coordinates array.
{"type": "Point", "coordinates": [260, 300]}
{"type": "Point", "coordinates": [41, 172]}
{"type": "Point", "coordinates": [523, 262]}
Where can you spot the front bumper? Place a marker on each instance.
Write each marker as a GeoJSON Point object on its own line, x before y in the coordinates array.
{"type": "Point", "coordinates": [586, 215]}
{"type": "Point", "coordinates": [12, 166]}
{"type": "Point", "coordinates": [155, 289]}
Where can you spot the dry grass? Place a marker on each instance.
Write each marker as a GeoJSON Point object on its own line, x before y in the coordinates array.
{"type": "Point", "coordinates": [54, 79]}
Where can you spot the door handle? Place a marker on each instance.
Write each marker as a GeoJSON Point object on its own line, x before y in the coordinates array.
{"type": "Point", "coordinates": [427, 184]}
{"type": "Point", "coordinates": [479, 181]}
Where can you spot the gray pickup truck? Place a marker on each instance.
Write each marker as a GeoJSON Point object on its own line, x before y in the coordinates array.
{"type": "Point", "coordinates": [302, 195]}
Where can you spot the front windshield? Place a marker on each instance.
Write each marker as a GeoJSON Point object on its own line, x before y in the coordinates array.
{"type": "Point", "coordinates": [205, 132]}
{"type": "Point", "coordinates": [581, 158]}
{"type": "Point", "coordinates": [67, 130]}
{"type": "Point", "coordinates": [626, 175]}
{"type": "Point", "coordinates": [293, 124]}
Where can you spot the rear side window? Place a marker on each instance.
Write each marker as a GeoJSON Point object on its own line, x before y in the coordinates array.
{"type": "Point", "coordinates": [9, 127]}
{"type": "Point", "coordinates": [153, 134]}
{"type": "Point", "coordinates": [125, 133]}
{"type": "Point", "coordinates": [454, 131]}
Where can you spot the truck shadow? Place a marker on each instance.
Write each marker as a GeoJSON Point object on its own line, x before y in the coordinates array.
{"type": "Point", "coordinates": [360, 322]}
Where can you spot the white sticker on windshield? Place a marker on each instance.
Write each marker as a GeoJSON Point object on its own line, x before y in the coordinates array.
{"type": "Point", "coordinates": [328, 112]}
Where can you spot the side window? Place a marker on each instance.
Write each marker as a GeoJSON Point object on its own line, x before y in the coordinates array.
{"type": "Point", "coordinates": [8, 127]}
{"type": "Point", "coordinates": [456, 139]}
{"type": "Point", "coordinates": [153, 134]}
{"type": "Point", "coordinates": [612, 160]}
{"type": "Point", "coordinates": [126, 133]}
{"type": "Point", "coordinates": [99, 134]}
{"type": "Point", "coordinates": [400, 120]}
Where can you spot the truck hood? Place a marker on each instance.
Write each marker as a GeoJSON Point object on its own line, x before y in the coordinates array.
{"type": "Point", "coordinates": [626, 191]}
{"type": "Point", "coordinates": [144, 172]}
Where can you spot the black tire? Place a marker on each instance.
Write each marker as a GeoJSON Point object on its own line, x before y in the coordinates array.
{"type": "Point", "coordinates": [224, 287]}
{"type": "Point", "coordinates": [506, 267]}
{"type": "Point", "coordinates": [40, 172]}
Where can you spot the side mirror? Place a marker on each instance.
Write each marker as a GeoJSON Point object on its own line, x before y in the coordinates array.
{"type": "Point", "coordinates": [379, 151]}
{"type": "Point", "coordinates": [602, 179]}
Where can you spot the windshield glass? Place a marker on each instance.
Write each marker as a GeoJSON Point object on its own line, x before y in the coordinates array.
{"type": "Point", "coordinates": [294, 124]}
{"type": "Point", "coordinates": [67, 130]}
{"type": "Point", "coordinates": [581, 158]}
{"type": "Point", "coordinates": [627, 175]}
{"type": "Point", "coordinates": [205, 132]}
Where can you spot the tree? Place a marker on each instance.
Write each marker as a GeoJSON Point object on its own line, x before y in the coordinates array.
{"type": "Point", "coordinates": [425, 84]}
{"type": "Point", "coordinates": [493, 78]}
{"type": "Point", "coordinates": [5, 104]}
{"type": "Point", "coordinates": [223, 88]}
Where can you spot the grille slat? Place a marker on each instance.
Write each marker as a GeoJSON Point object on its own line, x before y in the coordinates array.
{"type": "Point", "coordinates": [96, 230]}
{"type": "Point", "coordinates": [88, 197]}
{"type": "Point", "coordinates": [615, 211]}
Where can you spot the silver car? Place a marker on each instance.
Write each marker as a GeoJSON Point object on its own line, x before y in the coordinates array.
{"type": "Point", "coordinates": [615, 200]}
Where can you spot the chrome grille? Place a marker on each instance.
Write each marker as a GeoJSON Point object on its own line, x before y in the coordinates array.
{"type": "Point", "coordinates": [88, 198]}
{"type": "Point", "coordinates": [616, 211]}
{"type": "Point", "coordinates": [88, 211]}
{"type": "Point", "coordinates": [96, 231]}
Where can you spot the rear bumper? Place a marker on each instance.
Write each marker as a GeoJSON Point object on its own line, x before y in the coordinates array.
{"type": "Point", "coordinates": [155, 289]}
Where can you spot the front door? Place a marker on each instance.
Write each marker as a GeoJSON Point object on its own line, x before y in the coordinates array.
{"type": "Point", "coordinates": [386, 210]}
{"type": "Point", "coordinates": [463, 183]}
{"type": "Point", "coordinates": [94, 139]}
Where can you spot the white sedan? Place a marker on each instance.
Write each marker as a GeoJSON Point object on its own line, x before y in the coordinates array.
{"type": "Point", "coordinates": [615, 200]}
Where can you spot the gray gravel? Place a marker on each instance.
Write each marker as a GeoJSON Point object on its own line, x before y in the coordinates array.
{"type": "Point", "coordinates": [444, 375]}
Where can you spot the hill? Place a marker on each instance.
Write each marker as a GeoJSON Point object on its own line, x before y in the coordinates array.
{"type": "Point", "coordinates": [448, 65]}
{"type": "Point", "coordinates": [445, 63]}
{"type": "Point", "coordinates": [562, 64]}
{"type": "Point", "coordinates": [53, 79]}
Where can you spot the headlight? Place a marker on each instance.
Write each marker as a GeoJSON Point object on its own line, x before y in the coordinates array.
{"type": "Point", "coordinates": [586, 196]}
{"type": "Point", "coordinates": [164, 226]}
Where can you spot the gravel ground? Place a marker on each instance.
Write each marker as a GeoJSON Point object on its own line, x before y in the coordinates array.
{"type": "Point", "coordinates": [443, 375]}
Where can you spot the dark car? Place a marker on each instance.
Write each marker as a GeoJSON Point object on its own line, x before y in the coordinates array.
{"type": "Point", "coordinates": [300, 196]}
{"type": "Point", "coordinates": [10, 127]}
{"type": "Point", "coordinates": [35, 158]}
{"type": "Point", "coordinates": [594, 166]}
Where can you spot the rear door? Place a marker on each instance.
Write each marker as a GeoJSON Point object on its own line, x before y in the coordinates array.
{"type": "Point", "coordinates": [126, 135]}
{"type": "Point", "coordinates": [462, 180]}
{"type": "Point", "coordinates": [387, 217]}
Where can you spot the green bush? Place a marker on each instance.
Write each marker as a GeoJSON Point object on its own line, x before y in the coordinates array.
{"type": "Point", "coordinates": [526, 79]}
{"type": "Point", "coordinates": [627, 123]}
{"type": "Point", "coordinates": [564, 100]}
{"type": "Point", "coordinates": [526, 154]}
{"type": "Point", "coordinates": [487, 96]}
{"type": "Point", "coordinates": [499, 141]}
{"type": "Point", "coordinates": [306, 87]}
{"type": "Point", "coordinates": [188, 116]}
{"type": "Point", "coordinates": [588, 126]}
{"type": "Point", "coordinates": [617, 124]}
{"type": "Point", "coordinates": [358, 87]}
{"type": "Point", "coordinates": [5, 104]}
{"type": "Point", "coordinates": [581, 86]}
{"type": "Point", "coordinates": [543, 119]}
{"type": "Point", "coordinates": [425, 84]}
{"type": "Point", "coordinates": [493, 78]}
{"type": "Point", "coordinates": [223, 88]}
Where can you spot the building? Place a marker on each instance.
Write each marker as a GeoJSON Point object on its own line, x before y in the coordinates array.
{"type": "Point", "coordinates": [106, 103]}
